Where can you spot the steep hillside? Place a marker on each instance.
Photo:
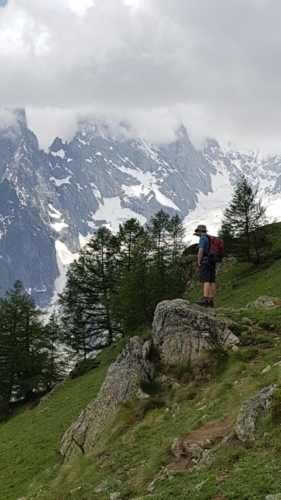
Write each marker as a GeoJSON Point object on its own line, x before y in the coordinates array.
{"type": "Point", "coordinates": [195, 405]}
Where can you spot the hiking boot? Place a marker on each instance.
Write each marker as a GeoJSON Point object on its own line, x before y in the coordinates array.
{"type": "Point", "coordinates": [210, 302]}
{"type": "Point", "coordinates": [204, 302]}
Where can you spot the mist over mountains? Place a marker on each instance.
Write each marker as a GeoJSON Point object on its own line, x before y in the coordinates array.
{"type": "Point", "coordinates": [52, 202]}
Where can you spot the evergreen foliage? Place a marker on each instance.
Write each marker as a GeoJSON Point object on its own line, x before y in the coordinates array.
{"type": "Point", "coordinates": [87, 301]}
{"type": "Point", "coordinates": [55, 366]}
{"type": "Point", "coordinates": [115, 285]}
{"type": "Point", "coordinates": [243, 222]}
{"type": "Point", "coordinates": [23, 351]}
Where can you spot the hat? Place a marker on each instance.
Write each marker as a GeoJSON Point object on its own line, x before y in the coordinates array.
{"type": "Point", "coordinates": [201, 227]}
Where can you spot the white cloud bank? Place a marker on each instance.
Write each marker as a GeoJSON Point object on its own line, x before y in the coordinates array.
{"type": "Point", "coordinates": [213, 64]}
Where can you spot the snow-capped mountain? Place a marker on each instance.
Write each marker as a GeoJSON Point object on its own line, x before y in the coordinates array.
{"type": "Point", "coordinates": [51, 203]}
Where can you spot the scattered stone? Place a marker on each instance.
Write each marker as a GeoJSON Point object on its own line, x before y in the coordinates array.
{"type": "Point", "coordinates": [273, 497]}
{"type": "Point", "coordinates": [177, 447]}
{"type": "Point", "coordinates": [251, 411]}
{"type": "Point", "coordinates": [101, 488]}
{"type": "Point", "coordinates": [235, 348]}
{"type": "Point", "coordinates": [201, 454]}
{"type": "Point", "coordinates": [265, 370]}
{"type": "Point", "coordinates": [76, 489]}
{"type": "Point", "coordinates": [227, 438]}
{"type": "Point", "coordinates": [199, 486]}
{"type": "Point", "coordinates": [142, 395]}
{"type": "Point", "coordinates": [115, 496]}
{"type": "Point", "coordinates": [121, 383]}
{"type": "Point", "coordinates": [162, 476]}
{"type": "Point", "coordinates": [263, 302]}
{"type": "Point", "coordinates": [181, 330]}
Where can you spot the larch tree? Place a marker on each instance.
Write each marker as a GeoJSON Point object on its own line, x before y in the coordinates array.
{"type": "Point", "coordinates": [242, 222]}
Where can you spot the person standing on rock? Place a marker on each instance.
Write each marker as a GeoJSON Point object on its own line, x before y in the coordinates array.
{"type": "Point", "coordinates": [207, 269]}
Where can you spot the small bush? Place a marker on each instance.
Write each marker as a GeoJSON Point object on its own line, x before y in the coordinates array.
{"type": "Point", "coordinates": [144, 331]}
{"type": "Point", "coordinates": [215, 359]}
{"type": "Point", "coordinates": [275, 407]}
{"type": "Point", "coordinates": [183, 372]}
{"type": "Point", "coordinates": [151, 387]}
{"type": "Point", "coordinates": [152, 404]}
{"type": "Point", "coordinates": [246, 355]}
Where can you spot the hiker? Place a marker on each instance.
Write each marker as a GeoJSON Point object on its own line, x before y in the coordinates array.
{"type": "Point", "coordinates": [207, 269]}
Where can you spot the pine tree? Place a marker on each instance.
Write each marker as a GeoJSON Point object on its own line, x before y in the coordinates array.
{"type": "Point", "coordinates": [87, 310]}
{"type": "Point", "coordinates": [55, 365]}
{"type": "Point", "coordinates": [166, 277]}
{"type": "Point", "coordinates": [128, 237]}
{"type": "Point", "coordinates": [22, 353]}
{"type": "Point", "coordinates": [134, 297]}
{"type": "Point", "coordinates": [241, 221]}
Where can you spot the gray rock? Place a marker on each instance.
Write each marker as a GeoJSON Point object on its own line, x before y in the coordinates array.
{"type": "Point", "coordinates": [201, 455]}
{"type": "Point", "coordinates": [181, 330]}
{"type": "Point", "coordinates": [115, 496]}
{"type": "Point", "coordinates": [263, 302]}
{"type": "Point", "coordinates": [162, 476]}
{"type": "Point", "coordinates": [251, 411]}
{"type": "Point", "coordinates": [101, 488]}
{"type": "Point", "coordinates": [273, 497]}
{"type": "Point", "coordinates": [121, 383]}
{"type": "Point", "coordinates": [177, 447]}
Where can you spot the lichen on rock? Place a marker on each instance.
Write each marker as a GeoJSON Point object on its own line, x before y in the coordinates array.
{"type": "Point", "coordinates": [181, 330]}
{"type": "Point", "coordinates": [121, 383]}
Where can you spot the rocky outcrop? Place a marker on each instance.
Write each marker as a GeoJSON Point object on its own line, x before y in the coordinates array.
{"type": "Point", "coordinates": [198, 454]}
{"type": "Point", "coordinates": [181, 330]}
{"type": "Point", "coordinates": [264, 302]}
{"type": "Point", "coordinates": [251, 411]}
{"type": "Point", "coordinates": [121, 383]}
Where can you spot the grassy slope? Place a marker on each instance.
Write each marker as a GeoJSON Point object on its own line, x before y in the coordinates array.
{"type": "Point", "coordinates": [30, 440]}
{"type": "Point", "coordinates": [139, 442]}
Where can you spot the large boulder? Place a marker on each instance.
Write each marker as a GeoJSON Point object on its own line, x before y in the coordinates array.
{"type": "Point", "coordinates": [181, 330]}
{"type": "Point", "coordinates": [251, 411]}
{"type": "Point", "coordinates": [121, 383]}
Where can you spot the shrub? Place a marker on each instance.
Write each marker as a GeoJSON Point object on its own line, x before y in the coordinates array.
{"type": "Point", "coordinates": [214, 359]}
{"type": "Point", "coordinates": [152, 404]}
{"type": "Point", "coordinates": [151, 387]}
{"type": "Point", "coordinates": [275, 407]}
{"type": "Point", "coordinates": [246, 355]}
{"type": "Point", "coordinates": [183, 372]}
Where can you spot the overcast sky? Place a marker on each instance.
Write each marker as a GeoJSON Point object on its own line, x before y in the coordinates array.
{"type": "Point", "coordinates": [215, 65]}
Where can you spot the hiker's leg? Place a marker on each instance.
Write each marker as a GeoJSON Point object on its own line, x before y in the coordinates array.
{"type": "Point", "coordinates": [212, 291]}
{"type": "Point", "coordinates": [207, 289]}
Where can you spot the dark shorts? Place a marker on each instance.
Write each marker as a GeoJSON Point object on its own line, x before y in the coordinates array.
{"type": "Point", "coordinates": [207, 273]}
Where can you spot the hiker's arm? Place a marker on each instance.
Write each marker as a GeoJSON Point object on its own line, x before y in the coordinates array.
{"type": "Point", "coordinates": [200, 255]}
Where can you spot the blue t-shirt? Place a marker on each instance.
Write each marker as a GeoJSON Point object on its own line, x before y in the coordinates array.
{"type": "Point", "coordinates": [205, 244]}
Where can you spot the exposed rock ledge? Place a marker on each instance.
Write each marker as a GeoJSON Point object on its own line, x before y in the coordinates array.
{"type": "Point", "coordinates": [180, 331]}
{"type": "Point", "coordinates": [121, 383]}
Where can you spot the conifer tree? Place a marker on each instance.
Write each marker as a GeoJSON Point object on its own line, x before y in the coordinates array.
{"type": "Point", "coordinates": [128, 237]}
{"type": "Point", "coordinates": [241, 221]}
{"type": "Point", "coordinates": [134, 297]}
{"type": "Point", "coordinates": [166, 277]}
{"type": "Point", "coordinates": [22, 353]}
{"type": "Point", "coordinates": [87, 312]}
{"type": "Point", "coordinates": [55, 365]}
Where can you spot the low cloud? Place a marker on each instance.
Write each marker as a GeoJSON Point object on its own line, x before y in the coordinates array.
{"type": "Point", "coordinates": [214, 65]}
